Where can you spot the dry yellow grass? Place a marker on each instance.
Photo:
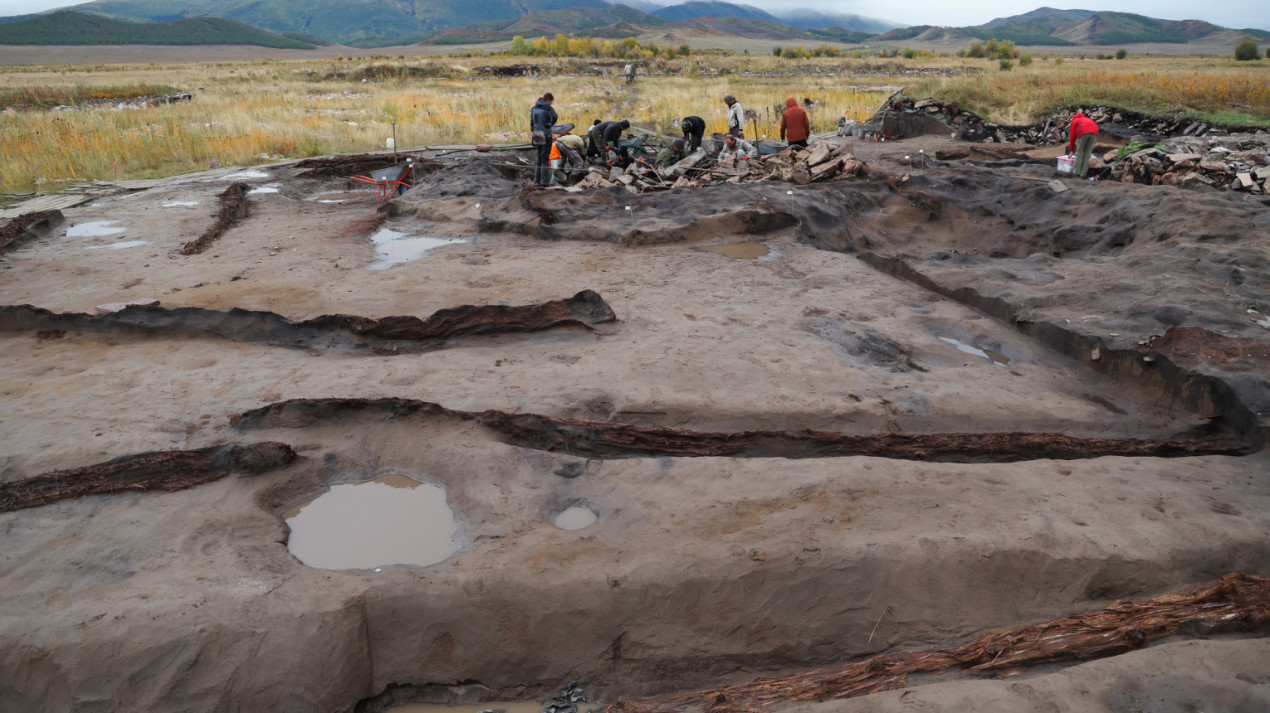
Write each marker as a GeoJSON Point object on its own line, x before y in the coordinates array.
{"type": "Point", "coordinates": [254, 112]}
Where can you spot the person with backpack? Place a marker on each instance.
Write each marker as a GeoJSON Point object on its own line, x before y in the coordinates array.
{"type": "Point", "coordinates": [541, 118]}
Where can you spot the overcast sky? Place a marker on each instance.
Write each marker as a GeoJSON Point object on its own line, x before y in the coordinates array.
{"type": "Point", "coordinates": [1228, 13]}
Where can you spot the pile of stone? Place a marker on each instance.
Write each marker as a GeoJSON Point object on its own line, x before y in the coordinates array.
{"type": "Point", "coordinates": [819, 162]}
{"type": "Point", "coordinates": [1226, 163]}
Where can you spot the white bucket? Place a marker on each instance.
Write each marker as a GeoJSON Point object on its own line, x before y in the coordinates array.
{"type": "Point", "coordinates": [1065, 163]}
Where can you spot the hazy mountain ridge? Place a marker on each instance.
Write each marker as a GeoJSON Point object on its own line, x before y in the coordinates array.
{"type": "Point", "coordinates": [75, 28]}
{"type": "Point", "coordinates": [374, 23]}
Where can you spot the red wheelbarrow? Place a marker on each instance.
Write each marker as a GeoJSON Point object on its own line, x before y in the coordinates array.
{"type": "Point", "coordinates": [388, 182]}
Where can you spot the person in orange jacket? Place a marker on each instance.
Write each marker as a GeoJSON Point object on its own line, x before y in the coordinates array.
{"type": "Point", "coordinates": [1081, 138]}
{"type": "Point", "coordinates": [794, 124]}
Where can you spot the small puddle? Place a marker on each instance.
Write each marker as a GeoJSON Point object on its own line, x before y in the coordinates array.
{"type": "Point", "coordinates": [740, 251]}
{"type": "Point", "coordinates": [94, 229]}
{"type": "Point", "coordinates": [343, 196]}
{"type": "Point", "coordinates": [393, 247]}
{"type": "Point", "coordinates": [577, 517]}
{"type": "Point", "coordinates": [119, 246]}
{"type": "Point", "coordinates": [392, 519]}
{"type": "Point", "coordinates": [267, 188]}
{"type": "Point", "coordinates": [242, 175]}
{"type": "Point", "coordinates": [489, 707]}
{"type": "Point", "coordinates": [179, 204]}
{"type": "Point", "coordinates": [990, 355]}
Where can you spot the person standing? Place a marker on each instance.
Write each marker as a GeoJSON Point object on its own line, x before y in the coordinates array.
{"type": "Point", "coordinates": [541, 118]}
{"type": "Point", "coordinates": [694, 128]}
{"type": "Point", "coordinates": [795, 126]}
{"type": "Point", "coordinates": [630, 72]}
{"type": "Point", "coordinates": [1081, 138]}
{"type": "Point", "coordinates": [736, 116]}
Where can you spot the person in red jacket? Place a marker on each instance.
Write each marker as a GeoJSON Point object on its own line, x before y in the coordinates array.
{"type": "Point", "coordinates": [1080, 141]}
{"type": "Point", "coordinates": [794, 124]}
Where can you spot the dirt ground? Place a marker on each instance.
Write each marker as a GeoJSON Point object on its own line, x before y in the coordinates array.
{"type": "Point", "coordinates": [958, 298]}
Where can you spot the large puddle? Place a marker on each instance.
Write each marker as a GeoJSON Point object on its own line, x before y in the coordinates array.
{"type": "Point", "coordinates": [94, 229]}
{"type": "Point", "coordinates": [393, 247]}
{"type": "Point", "coordinates": [392, 519]}
{"type": "Point", "coordinates": [740, 251]}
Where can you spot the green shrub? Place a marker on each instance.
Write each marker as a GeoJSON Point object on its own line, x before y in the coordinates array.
{"type": "Point", "coordinates": [1121, 53]}
{"type": "Point", "coordinates": [1006, 65]}
{"type": "Point", "coordinates": [1246, 51]}
{"type": "Point", "coordinates": [1025, 59]}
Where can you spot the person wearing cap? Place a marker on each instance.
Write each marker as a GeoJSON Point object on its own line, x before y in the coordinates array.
{"type": "Point", "coordinates": [694, 128]}
{"type": "Point", "coordinates": [541, 118]}
{"type": "Point", "coordinates": [671, 154]}
{"type": "Point", "coordinates": [736, 116]}
{"type": "Point", "coordinates": [570, 147]}
{"type": "Point", "coordinates": [795, 126]}
{"type": "Point", "coordinates": [606, 134]}
{"type": "Point", "coordinates": [737, 148]}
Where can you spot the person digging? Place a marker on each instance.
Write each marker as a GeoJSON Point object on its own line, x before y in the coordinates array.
{"type": "Point", "coordinates": [1081, 138]}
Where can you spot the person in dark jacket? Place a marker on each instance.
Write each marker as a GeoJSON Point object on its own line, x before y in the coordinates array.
{"type": "Point", "coordinates": [1081, 138]}
{"type": "Point", "coordinates": [541, 118]}
{"type": "Point", "coordinates": [795, 126]}
{"type": "Point", "coordinates": [605, 135]}
{"type": "Point", "coordinates": [694, 128]}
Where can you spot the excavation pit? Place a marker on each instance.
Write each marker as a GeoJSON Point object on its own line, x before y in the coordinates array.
{"type": "Point", "coordinates": [791, 469]}
{"type": "Point", "coordinates": [391, 520]}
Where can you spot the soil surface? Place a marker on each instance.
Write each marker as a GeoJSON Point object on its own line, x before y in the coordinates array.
{"type": "Point", "coordinates": [952, 303]}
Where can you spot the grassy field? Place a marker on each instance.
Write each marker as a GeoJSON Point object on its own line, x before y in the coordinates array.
{"type": "Point", "coordinates": [255, 112]}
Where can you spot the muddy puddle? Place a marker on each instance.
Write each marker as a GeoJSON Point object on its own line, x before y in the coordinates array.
{"type": "Point", "coordinates": [120, 245]}
{"type": "Point", "coordinates": [343, 196]}
{"type": "Point", "coordinates": [490, 707]}
{"type": "Point", "coordinates": [267, 188]}
{"type": "Point", "coordinates": [393, 519]}
{"type": "Point", "coordinates": [94, 229]}
{"type": "Point", "coordinates": [577, 517]}
{"type": "Point", "coordinates": [179, 204]}
{"type": "Point", "coordinates": [991, 355]}
{"type": "Point", "coordinates": [394, 247]}
{"type": "Point", "coordinates": [241, 176]}
{"type": "Point", "coordinates": [739, 251]}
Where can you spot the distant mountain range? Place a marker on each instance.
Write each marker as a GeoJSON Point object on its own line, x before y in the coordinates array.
{"type": "Point", "coordinates": [376, 23]}
{"type": "Point", "coordinates": [74, 28]}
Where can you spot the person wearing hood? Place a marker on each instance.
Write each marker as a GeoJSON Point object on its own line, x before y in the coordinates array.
{"type": "Point", "coordinates": [1081, 138]}
{"type": "Point", "coordinates": [736, 116]}
{"type": "Point", "coordinates": [673, 152]}
{"type": "Point", "coordinates": [738, 149]}
{"type": "Point", "coordinates": [694, 128]}
{"type": "Point", "coordinates": [541, 118]}
{"type": "Point", "coordinates": [795, 126]}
